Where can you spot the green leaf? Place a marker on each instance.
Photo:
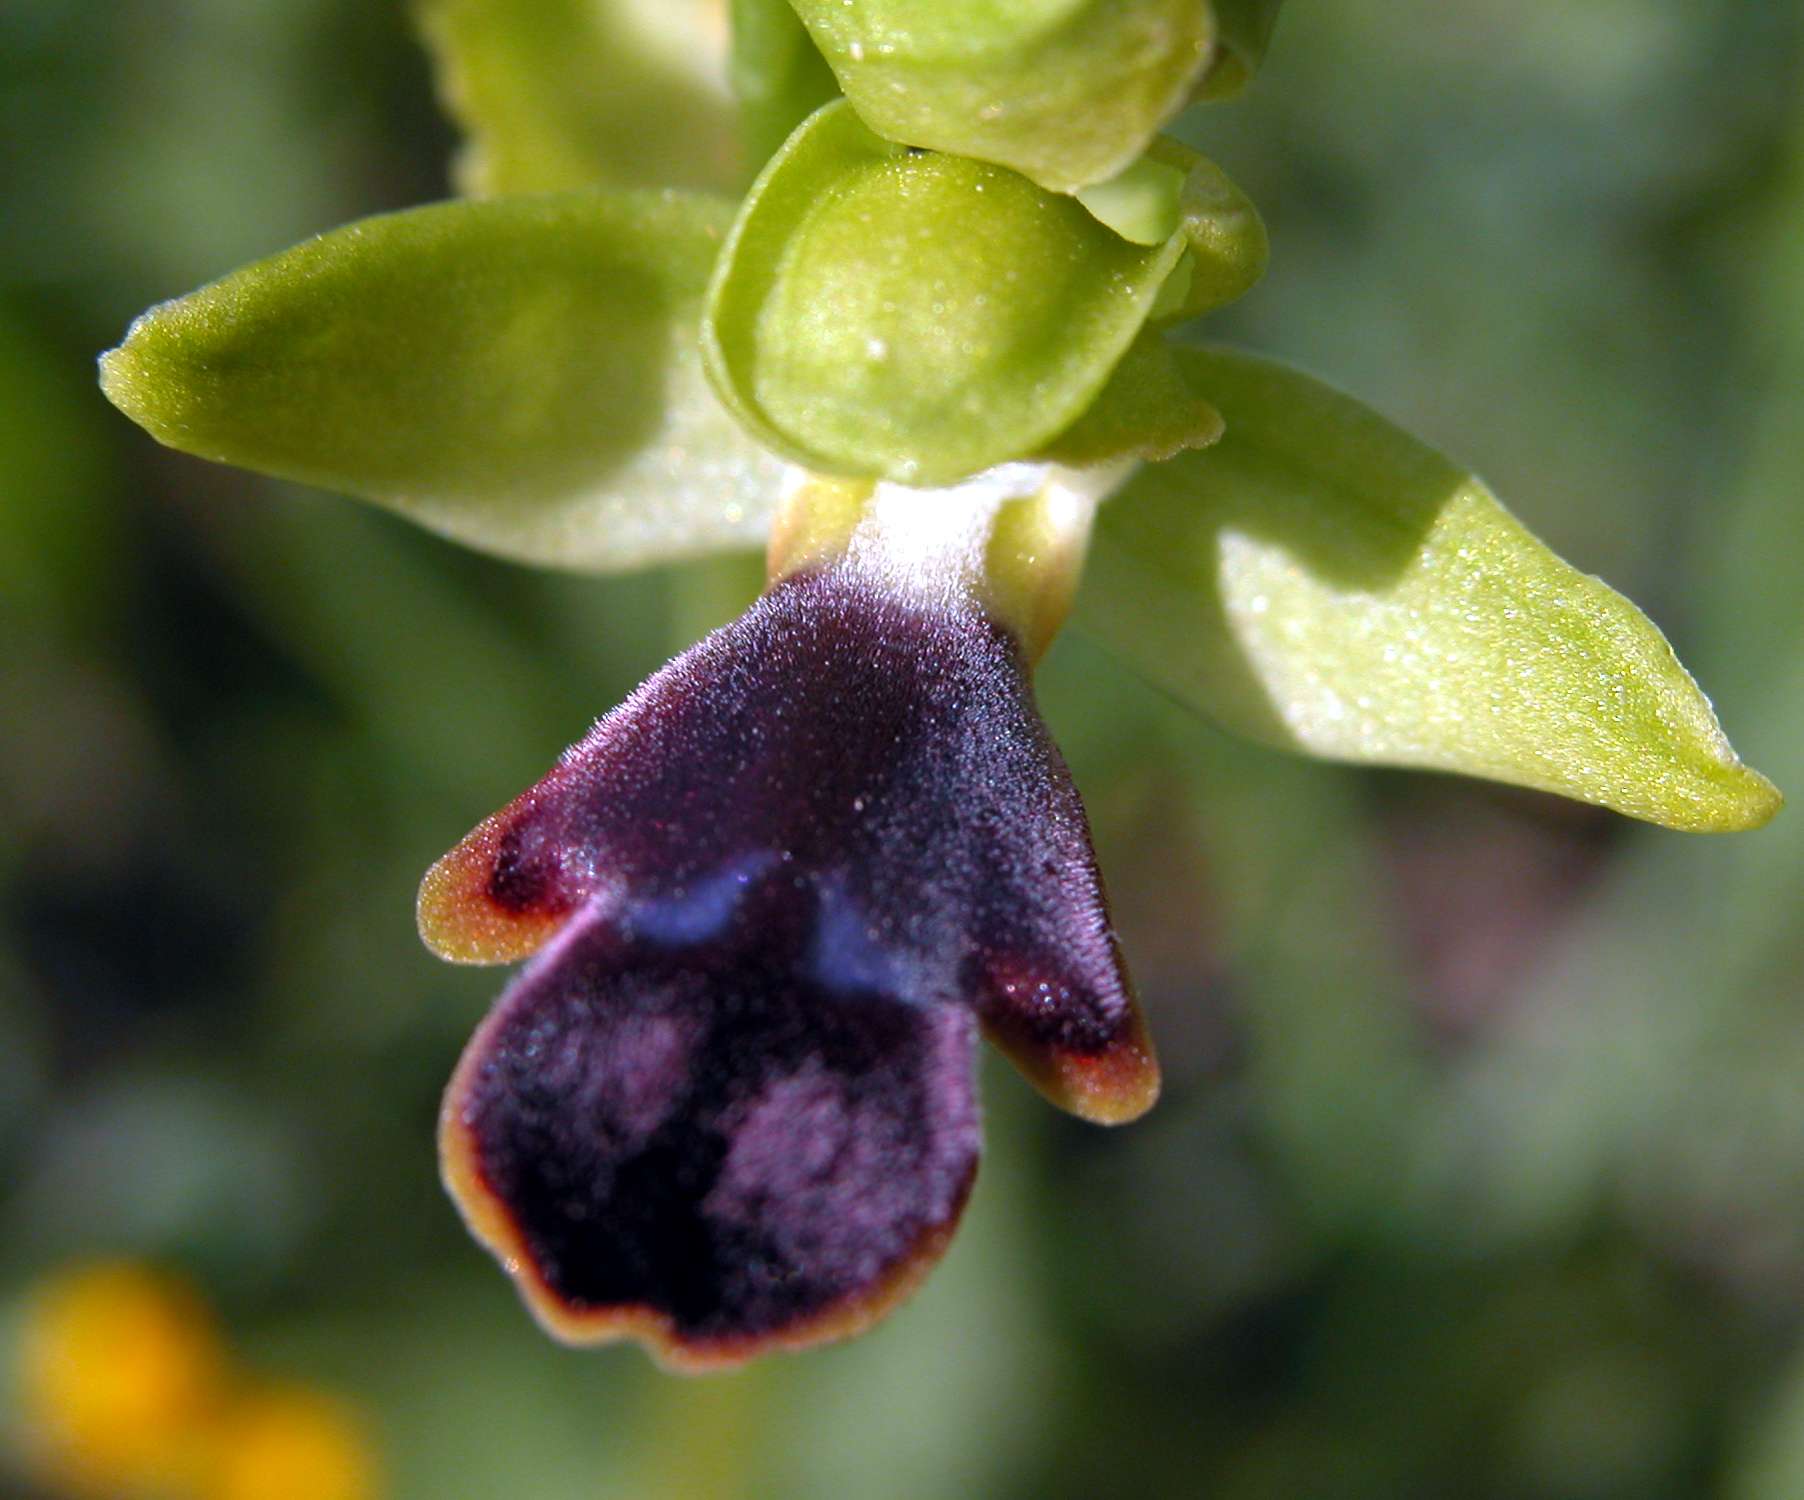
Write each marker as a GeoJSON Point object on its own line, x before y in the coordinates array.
{"type": "Point", "coordinates": [520, 374]}
{"type": "Point", "coordinates": [562, 94]}
{"type": "Point", "coordinates": [1066, 92]}
{"type": "Point", "coordinates": [913, 316]}
{"type": "Point", "coordinates": [778, 74]}
{"type": "Point", "coordinates": [1322, 581]}
{"type": "Point", "coordinates": [1244, 31]}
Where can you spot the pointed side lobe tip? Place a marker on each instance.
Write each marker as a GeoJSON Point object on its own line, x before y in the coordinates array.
{"type": "Point", "coordinates": [1111, 1085]}
{"type": "Point", "coordinates": [461, 922]}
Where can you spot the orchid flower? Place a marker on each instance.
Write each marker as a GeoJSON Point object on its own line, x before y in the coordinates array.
{"type": "Point", "coordinates": [939, 360]}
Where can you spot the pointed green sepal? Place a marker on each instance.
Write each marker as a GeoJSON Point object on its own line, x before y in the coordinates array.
{"type": "Point", "coordinates": [1322, 581]}
{"type": "Point", "coordinates": [870, 314]}
{"type": "Point", "coordinates": [560, 94]}
{"type": "Point", "coordinates": [519, 374]}
{"type": "Point", "coordinates": [1066, 92]}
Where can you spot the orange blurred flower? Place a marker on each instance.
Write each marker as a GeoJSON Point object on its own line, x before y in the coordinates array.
{"type": "Point", "coordinates": [128, 1392]}
{"type": "Point", "coordinates": [291, 1443]}
{"type": "Point", "coordinates": [121, 1374]}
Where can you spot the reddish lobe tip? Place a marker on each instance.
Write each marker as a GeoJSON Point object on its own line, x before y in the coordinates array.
{"type": "Point", "coordinates": [1083, 1046]}
{"type": "Point", "coordinates": [464, 920]}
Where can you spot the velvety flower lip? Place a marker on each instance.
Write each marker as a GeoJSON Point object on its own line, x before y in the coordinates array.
{"type": "Point", "coordinates": [702, 1144]}
{"type": "Point", "coordinates": [729, 1104]}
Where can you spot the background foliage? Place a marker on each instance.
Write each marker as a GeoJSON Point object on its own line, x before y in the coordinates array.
{"type": "Point", "coordinates": [1479, 1169]}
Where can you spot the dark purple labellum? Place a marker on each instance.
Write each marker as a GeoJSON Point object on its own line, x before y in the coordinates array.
{"type": "Point", "coordinates": [729, 1105]}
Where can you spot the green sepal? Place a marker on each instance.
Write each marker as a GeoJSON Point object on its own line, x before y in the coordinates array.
{"type": "Point", "coordinates": [1066, 92]}
{"type": "Point", "coordinates": [778, 74]}
{"type": "Point", "coordinates": [520, 374]}
{"type": "Point", "coordinates": [554, 95]}
{"type": "Point", "coordinates": [1243, 32]}
{"type": "Point", "coordinates": [1322, 581]}
{"type": "Point", "coordinates": [870, 314]}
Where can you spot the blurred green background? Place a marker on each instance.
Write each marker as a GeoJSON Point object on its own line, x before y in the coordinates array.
{"type": "Point", "coordinates": [1480, 1168]}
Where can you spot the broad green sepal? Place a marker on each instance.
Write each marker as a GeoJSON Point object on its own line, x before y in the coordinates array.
{"type": "Point", "coordinates": [870, 314]}
{"type": "Point", "coordinates": [778, 74]}
{"type": "Point", "coordinates": [1066, 92]}
{"type": "Point", "coordinates": [1324, 582]}
{"type": "Point", "coordinates": [519, 374]}
{"type": "Point", "coordinates": [561, 94]}
{"type": "Point", "coordinates": [1243, 32]}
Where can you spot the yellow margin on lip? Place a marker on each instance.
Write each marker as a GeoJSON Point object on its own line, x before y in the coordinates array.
{"type": "Point", "coordinates": [490, 1222]}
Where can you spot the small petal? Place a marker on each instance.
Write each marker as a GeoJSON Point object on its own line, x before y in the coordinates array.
{"type": "Point", "coordinates": [1149, 410]}
{"type": "Point", "coordinates": [1226, 238]}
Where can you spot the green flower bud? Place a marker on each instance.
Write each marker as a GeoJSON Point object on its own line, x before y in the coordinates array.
{"type": "Point", "coordinates": [1066, 92]}
{"type": "Point", "coordinates": [561, 94]}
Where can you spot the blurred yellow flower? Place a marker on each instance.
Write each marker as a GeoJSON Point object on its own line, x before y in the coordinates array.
{"type": "Point", "coordinates": [290, 1443]}
{"type": "Point", "coordinates": [127, 1392]}
{"type": "Point", "coordinates": [121, 1373]}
